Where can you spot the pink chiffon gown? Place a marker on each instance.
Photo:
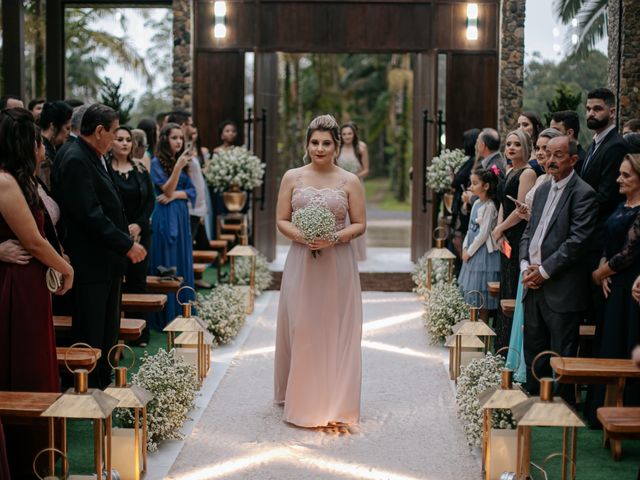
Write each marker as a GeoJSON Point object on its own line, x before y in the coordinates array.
{"type": "Point", "coordinates": [359, 245]}
{"type": "Point", "coordinates": [318, 359]}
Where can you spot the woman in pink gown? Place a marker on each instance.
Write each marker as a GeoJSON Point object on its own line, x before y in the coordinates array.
{"type": "Point", "coordinates": [318, 366]}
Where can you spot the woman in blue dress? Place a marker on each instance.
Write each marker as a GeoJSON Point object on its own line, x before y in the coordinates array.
{"type": "Point", "coordinates": [171, 241]}
{"type": "Point", "coordinates": [480, 255]}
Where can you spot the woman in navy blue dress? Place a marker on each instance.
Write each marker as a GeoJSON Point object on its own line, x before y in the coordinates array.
{"type": "Point", "coordinates": [171, 244]}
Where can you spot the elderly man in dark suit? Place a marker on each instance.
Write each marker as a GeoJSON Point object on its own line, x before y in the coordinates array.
{"type": "Point", "coordinates": [552, 256]}
{"type": "Point", "coordinates": [97, 238]}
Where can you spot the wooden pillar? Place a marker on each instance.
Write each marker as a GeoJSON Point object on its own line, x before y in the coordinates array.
{"type": "Point", "coordinates": [55, 49]}
{"type": "Point", "coordinates": [13, 48]}
{"type": "Point", "coordinates": [266, 96]}
{"type": "Point", "coordinates": [424, 98]}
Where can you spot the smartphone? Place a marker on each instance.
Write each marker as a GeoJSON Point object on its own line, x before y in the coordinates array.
{"type": "Point", "coordinates": [515, 200]}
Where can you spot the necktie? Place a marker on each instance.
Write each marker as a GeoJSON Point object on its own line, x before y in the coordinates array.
{"type": "Point", "coordinates": [587, 159]}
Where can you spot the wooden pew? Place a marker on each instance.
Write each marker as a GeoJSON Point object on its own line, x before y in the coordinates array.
{"type": "Point", "coordinates": [221, 246]}
{"type": "Point", "coordinates": [207, 257]}
{"type": "Point", "coordinates": [157, 284]}
{"type": "Point", "coordinates": [508, 306]}
{"type": "Point", "coordinates": [79, 357]}
{"type": "Point", "coordinates": [143, 302]}
{"type": "Point", "coordinates": [619, 423]}
{"type": "Point", "coordinates": [130, 328]}
{"type": "Point", "coordinates": [494, 289]}
{"type": "Point", "coordinates": [199, 268]}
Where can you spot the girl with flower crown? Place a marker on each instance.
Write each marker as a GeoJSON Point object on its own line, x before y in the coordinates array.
{"type": "Point", "coordinates": [480, 255]}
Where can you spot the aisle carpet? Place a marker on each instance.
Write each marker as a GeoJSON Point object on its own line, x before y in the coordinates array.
{"type": "Point", "coordinates": [408, 429]}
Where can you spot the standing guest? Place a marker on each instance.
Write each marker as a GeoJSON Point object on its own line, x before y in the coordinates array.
{"type": "Point", "coordinates": [353, 151]}
{"type": "Point", "coordinates": [76, 121]}
{"type": "Point", "coordinates": [171, 244]}
{"type": "Point", "coordinates": [140, 147]}
{"type": "Point", "coordinates": [318, 364]}
{"type": "Point", "coordinates": [488, 150]}
{"type": "Point", "coordinates": [530, 123]}
{"type": "Point", "coordinates": [567, 122]}
{"type": "Point", "coordinates": [35, 107]}
{"type": "Point", "coordinates": [97, 235]}
{"type": "Point", "coordinates": [11, 101]}
{"type": "Point", "coordinates": [480, 253]}
{"type": "Point", "coordinates": [201, 240]}
{"type": "Point", "coordinates": [552, 257]}
{"type": "Point", "coordinates": [26, 324]}
{"type": "Point", "coordinates": [618, 330]}
{"type": "Point", "coordinates": [55, 121]}
{"type": "Point", "coordinates": [228, 132]}
{"type": "Point", "coordinates": [152, 131]}
{"type": "Point", "coordinates": [202, 152]}
{"type": "Point", "coordinates": [633, 142]}
{"type": "Point", "coordinates": [516, 184]}
{"type": "Point", "coordinates": [138, 198]}
{"type": "Point", "coordinates": [631, 126]}
{"type": "Point", "coordinates": [184, 119]}
{"type": "Point", "coordinates": [74, 102]}
{"type": "Point", "coordinates": [162, 119]}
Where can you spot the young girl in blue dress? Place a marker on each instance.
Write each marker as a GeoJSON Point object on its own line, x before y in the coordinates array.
{"type": "Point", "coordinates": [480, 254]}
{"type": "Point", "coordinates": [171, 241]}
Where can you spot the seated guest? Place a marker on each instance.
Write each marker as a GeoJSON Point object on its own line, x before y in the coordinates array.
{"type": "Point", "coordinates": [26, 324]}
{"type": "Point", "coordinates": [171, 244]}
{"type": "Point", "coordinates": [55, 122]}
{"type": "Point", "coordinates": [631, 126]}
{"type": "Point", "coordinates": [552, 257]}
{"type": "Point", "coordinates": [618, 330]}
{"type": "Point", "coordinates": [530, 123]}
{"type": "Point", "coordinates": [138, 198]}
{"type": "Point", "coordinates": [567, 122]}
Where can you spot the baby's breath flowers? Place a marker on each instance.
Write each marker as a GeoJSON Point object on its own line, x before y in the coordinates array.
{"type": "Point", "coordinates": [223, 309]}
{"type": "Point", "coordinates": [315, 222]}
{"type": "Point", "coordinates": [235, 166]}
{"type": "Point", "coordinates": [444, 306]}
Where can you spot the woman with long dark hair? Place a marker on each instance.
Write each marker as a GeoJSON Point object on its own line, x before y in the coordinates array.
{"type": "Point", "coordinates": [354, 158]}
{"type": "Point", "coordinates": [530, 123]}
{"type": "Point", "coordinates": [171, 244]}
{"type": "Point", "coordinates": [25, 302]}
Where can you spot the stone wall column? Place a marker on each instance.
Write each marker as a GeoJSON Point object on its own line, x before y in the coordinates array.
{"type": "Point", "coordinates": [182, 54]}
{"type": "Point", "coordinates": [511, 79]}
{"type": "Point", "coordinates": [624, 56]}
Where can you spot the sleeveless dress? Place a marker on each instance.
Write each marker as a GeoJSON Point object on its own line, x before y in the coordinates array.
{"type": "Point", "coordinates": [26, 328]}
{"type": "Point", "coordinates": [318, 364]}
{"type": "Point", "coordinates": [348, 161]}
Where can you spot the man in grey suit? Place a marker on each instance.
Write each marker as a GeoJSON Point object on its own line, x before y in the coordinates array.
{"type": "Point", "coordinates": [553, 257]}
{"type": "Point", "coordinates": [488, 149]}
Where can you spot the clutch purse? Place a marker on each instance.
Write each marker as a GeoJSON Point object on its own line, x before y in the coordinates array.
{"type": "Point", "coordinates": [54, 280]}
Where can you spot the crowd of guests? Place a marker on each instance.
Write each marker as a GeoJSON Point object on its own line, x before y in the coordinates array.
{"type": "Point", "coordinates": [88, 202]}
{"type": "Point", "coordinates": [558, 226]}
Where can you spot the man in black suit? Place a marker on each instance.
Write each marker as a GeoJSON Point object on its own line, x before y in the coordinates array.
{"type": "Point", "coordinates": [552, 253]}
{"type": "Point", "coordinates": [567, 123]}
{"type": "Point", "coordinates": [97, 237]}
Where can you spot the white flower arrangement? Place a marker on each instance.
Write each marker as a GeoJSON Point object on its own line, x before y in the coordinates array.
{"type": "Point", "coordinates": [263, 276]}
{"type": "Point", "coordinates": [351, 165]}
{"type": "Point", "coordinates": [174, 385]}
{"type": "Point", "coordinates": [439, 273]}
{"type": "Point", "coordinates": [315, 222]}
{"type": "Point", "coordinates": [442, 169]}
{"type": "Point", "coordinates": [234, 167]}
{"type": "Point", "coordinates": [480, 375]}
{"type": "Point", "coordinates": [223, 310]}
{"type": "Point", "coordinates": [444, 306]}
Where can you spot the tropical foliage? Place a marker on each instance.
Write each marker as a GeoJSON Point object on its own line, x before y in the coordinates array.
{"type": "Point", "coordinates": [591, 16]}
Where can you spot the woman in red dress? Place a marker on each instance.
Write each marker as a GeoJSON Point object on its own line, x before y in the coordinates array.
{"type": "Point", "coordinates": [27, 341]}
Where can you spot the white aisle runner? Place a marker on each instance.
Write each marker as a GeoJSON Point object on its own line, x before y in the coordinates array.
{"type": "Point", "coordinates": [408, 428]}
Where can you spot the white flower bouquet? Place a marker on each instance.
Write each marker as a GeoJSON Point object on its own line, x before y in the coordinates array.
{"type": "Point", "coordinates": [263, 276]}
{"type": "Point", "coordinates": [442, 169]}
{"type": "Point", "coordinates": [174, 385]}
{"type": "Point", "coordinates": [234, 167]}
{"type": "Point", "coordinates": [315, 222]}
{"type": "Point", "coordinates": [439, 273]}
{"type": "Point", "coordinates": [444, 306]}
{"type": "Point", "coordinates": [350, 165]}
{"type": "Point", "coordinates": [223, 310]}
{"type": "Point", "coordinates": [480, 375]}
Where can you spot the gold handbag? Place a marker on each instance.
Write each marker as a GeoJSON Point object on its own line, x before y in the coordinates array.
{"type": "Point", "coordinates": [54, 280]}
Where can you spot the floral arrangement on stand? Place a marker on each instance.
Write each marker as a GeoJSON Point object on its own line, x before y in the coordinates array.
{"type": "Point", "coordinates": [315, 222]}
{"type": "Point", "coordinates": [234, 167]}
{"type": "Point", "coordinates": [223, 310]}
{"type": "Point", "coordinates": [480, 375]}
{"type": "Point", "coordinates": [263, 276]}
{"type": "Point", "coordinates": [444, 306]}
{"type": "Point", "coordinates": [439, 273]}
{"type": "Point", "coordinates": [442, 169]}
{"type": "Point", "coordinates": [174, 385]}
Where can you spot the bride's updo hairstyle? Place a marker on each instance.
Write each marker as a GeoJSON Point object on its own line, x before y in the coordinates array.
{"type": "Point", "coordinates": [323, 123]}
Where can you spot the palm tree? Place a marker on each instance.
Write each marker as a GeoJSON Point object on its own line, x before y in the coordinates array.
{"type": "Point", "coordinates": [591, 16]}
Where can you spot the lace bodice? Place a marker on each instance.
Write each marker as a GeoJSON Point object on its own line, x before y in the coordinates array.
{"type": "Point", "coordinates": [335, 199]}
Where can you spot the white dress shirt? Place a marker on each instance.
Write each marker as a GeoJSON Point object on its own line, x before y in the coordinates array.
{"type": "Point", "coordinates": [535, 245]}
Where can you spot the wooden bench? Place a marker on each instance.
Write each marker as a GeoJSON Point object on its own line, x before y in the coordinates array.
{"type": "Point", "coordinates": [494, 289]}
{"type": "Point", "coordinates": [143, 302]}
{"type": "Point", "coordinates": [220, 246]}
{"type": "Point", "coordinates": [228, 237]}
{"type": "Point", "coordinates": [79, 357]}
{"type": "Point", "coordinates": [157, 284]}
{"type": "Point", "coordinates": [130, 328]}
{"type": "Point", "coordinates": [205, 256]}
{"type": "Point", "coordinates": [199, 268]}
{"type": "Point", "coordinates": [508, 306]}
{"type": "Point", "coordinates": [619, 423]}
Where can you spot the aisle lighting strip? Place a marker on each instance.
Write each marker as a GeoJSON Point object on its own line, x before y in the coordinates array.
{"type": "Point", "coordinates": [220, 13]}
{"type": "Point", "coordinates": [472, 21]}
